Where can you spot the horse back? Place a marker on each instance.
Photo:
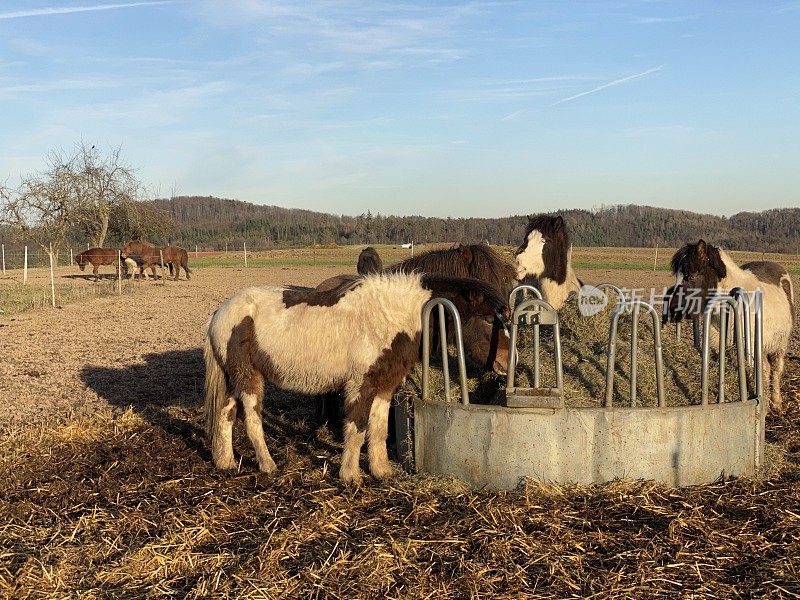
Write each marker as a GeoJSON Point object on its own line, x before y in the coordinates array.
{"type": "Point", "coordinates": [772, 273]}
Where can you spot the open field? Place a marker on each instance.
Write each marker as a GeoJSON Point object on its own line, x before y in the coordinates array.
{"type": "Point", "coordinates": [108, 490]}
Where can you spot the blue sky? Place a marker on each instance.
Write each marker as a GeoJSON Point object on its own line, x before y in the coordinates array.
{"type": "Point", "coordinates": [484, 108]}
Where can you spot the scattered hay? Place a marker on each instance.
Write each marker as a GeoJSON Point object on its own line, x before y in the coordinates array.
{"type": "Point", "coordinates": [133, 509]}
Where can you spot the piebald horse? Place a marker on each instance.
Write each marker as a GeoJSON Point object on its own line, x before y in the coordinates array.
{"type": "Point", "coordinates": [362, 336]}
{"type": "Point", "coordinates": [702, 270]}
{"type": "Point", "coordinates": [544, 259]}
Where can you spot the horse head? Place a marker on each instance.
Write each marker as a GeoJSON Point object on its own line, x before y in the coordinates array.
{"type": "Point", "coordinates": [698, 269]}
{"type": "Point", "coordinates": [544, 259]}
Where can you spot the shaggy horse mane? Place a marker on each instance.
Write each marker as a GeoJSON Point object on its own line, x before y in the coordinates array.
{"type": "Point", "coordinates": [477, 261]}
{"type": "Point", "coordinates": [550, 226]}
{"type": "Point", "coordinates": [691, 258]}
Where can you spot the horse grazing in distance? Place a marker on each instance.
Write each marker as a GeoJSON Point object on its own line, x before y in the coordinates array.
{"type": "Point", "coordinates": [544, 259]}
{"type": "Point", "coordinates": [702, 270]}
{"type": "Point", "coordinates": [98, 257]}
{"type": "Point", "coordinates": [174, 257]}
{"type": "Point", "coordinates": [369, 261]}
{"type": "Point", "coordinates": [363, 336]}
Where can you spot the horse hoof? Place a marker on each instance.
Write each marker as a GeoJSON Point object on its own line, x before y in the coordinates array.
{"type": "Point", "coordinates": [382, 472]}
{"type": "Point", "coordinates": [351, 479]}
{"type": "Point", "coordinates": [268, 467]}
{"type": "Point", "coordinates": [227, 463]}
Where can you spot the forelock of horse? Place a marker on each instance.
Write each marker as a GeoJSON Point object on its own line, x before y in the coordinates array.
{"type": "Point", "coordinates": [554, 246]}
{"type": "Point", "coordinates": [699, 258]}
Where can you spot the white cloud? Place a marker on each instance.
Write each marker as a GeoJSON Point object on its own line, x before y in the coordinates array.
{"type": "Point", "coordinates": [65, 10]}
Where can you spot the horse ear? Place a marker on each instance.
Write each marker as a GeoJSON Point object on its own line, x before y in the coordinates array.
{"type": "Point", "coordinates": [530, 218]}
{"type": "Point", "coordinates": [466, 253]}
{"type": "Point", "coordinates": [702, 249]}
{"type": "Point", "coordinates": [559, 223]}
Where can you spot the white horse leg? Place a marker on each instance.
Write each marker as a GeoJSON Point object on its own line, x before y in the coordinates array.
{"type": "Point", "coordinates": [222, 438]}
{"type": "Point", "coordinates": [777, 364]}
{"type": "Point", "coordinates": [255, 431]}
{"type": "Point", "coordinates": [377, 432]}
{"type": "Point", "coordinates": [350, 472]}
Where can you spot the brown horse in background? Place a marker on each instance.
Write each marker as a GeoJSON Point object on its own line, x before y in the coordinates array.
{"type": "Point", "coordinates": [151, 256]}
{"type": "Point", "coordinates": [97, 257]}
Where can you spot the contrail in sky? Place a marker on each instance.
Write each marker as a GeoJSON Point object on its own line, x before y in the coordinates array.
{"type": "Point", "coordinates": [64, 10]}
{"type": "Point", "coordinates": [609, 84]}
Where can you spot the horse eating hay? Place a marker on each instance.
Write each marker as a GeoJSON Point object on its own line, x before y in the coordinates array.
{"type": "Point", "coordinates": [702, 270]}
{"type": "Point", "coordinates": [362, 336]}
{"type": "Point", "coordinates": [544, 259]}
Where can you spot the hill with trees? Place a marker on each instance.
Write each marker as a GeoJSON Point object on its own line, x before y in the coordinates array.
{"type": "Point", "coordinates": [213, 222]}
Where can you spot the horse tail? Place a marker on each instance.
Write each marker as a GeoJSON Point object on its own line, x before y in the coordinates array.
{"type": "Point", "coordinates": [215, 388]}
{"type": "Point", "coordinates": [185, 263]}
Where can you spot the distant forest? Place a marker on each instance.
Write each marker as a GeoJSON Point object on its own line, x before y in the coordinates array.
{"type": "Point", "coordinates": [213, 222]}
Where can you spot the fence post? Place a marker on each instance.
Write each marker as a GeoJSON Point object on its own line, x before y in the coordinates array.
{"type": "Point", "coordinates": [655, 258]}
{"type": "Point", "coordinates": [195, 251]}
{"type": "Point", "coordinates": [25, 268]}
{"type": "Point", "coordinates": [226, 248]}
{"type": "Point", "coordinates": [71, 258]}
{"type": "Point", "coordinates": [119, 272]}
{"type": "Point", "coordinates": [163, 276]}
{"type": "Point", "coordinates": [245, 254]}
{"type": "Point", "coordinates": [52, 278]}
{"type": "Point", "coordinates": [87, 245]}
{"type": "Point", "coordinates": [4, 259]}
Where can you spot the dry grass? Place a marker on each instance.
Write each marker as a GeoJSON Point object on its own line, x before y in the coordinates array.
{"type": "Point", "coordinates": [131, 508]}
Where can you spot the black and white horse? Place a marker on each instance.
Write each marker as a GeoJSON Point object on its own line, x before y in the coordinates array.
{"type": "Point", "coordinates": [702, 270]}
{"type": "Point", "coordinates": [362, 336]}
{"type": "Point", "coordinates": [544, 259]}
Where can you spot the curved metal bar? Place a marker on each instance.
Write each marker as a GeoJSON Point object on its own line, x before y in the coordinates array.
{"type": "Point", "coordinates": [523, 288]}
{"type": "Point", "coordinates": [741, 295]}
{"type": "Point", "coordinates": [610, 286]}
{"type": "Point", "coordinates": [635, 306]}
{"type": "Point", "coordinates": [737, 307]}
{"type": "Point", "coordinates": [525, 310]}
{"type": "Point", "coordinates": [443, 303]}
{"type": "Point", "coordinates": [758, 339]}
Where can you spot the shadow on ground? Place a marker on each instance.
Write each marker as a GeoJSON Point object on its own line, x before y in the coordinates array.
{"type": "Point", "coordinates": [167, 391]}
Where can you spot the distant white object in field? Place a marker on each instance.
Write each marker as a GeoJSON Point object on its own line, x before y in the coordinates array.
{"type": "Point", "coordinates": [409, 245]}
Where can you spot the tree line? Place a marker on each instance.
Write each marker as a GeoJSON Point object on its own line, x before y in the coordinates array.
{"type": "Point", "coordinates": [213, 222]}
{"type": "Point", "coordinates": [91, 196]}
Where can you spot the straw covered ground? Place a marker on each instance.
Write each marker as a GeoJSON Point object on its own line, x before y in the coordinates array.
{"type": "Point", "coordinates": [109, 491]}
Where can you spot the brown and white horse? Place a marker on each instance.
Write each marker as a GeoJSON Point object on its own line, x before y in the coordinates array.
{"type": "Point", "coordinates": [363, 336]}
{"type": "Point", "coordinates": [702, 270]}
{"type": "Point", "coordinates": [544, 259]}
{"type": "Point", "coordinates": [369, 261]}
{"type": "Point", "coordinates": [150, 256]}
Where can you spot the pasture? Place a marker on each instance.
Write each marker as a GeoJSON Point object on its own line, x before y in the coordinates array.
{"type": "Point", "coordinates": [108, 489]}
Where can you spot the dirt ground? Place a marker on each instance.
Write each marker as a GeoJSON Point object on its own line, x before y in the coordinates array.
{"type": "Point", "coordinates": [143, 347]}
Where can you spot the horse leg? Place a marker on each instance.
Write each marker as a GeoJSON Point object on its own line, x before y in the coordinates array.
{"type": "Point", "coordinates": [377, 432]}
{"type": "Point", "coordinates": [251, 403]}
{"type": "Point", "coordinates": [177, 271]}
{"type": "Point", "coordinates": [356, 417]}
{"type": "Point", "coordinates": [777, 363]}
{"type": "Point", "coordinates": [95, 269]}
{"type": "Point", "coordinates": [222, 440]}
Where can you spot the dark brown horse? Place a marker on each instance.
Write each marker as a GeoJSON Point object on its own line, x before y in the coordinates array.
{"type": "Point", "coordinates": [369, 261]}
{"type": "Point", "coordinates": [97, 257]}
{"type": "Point", "coordinates": [150, 256]}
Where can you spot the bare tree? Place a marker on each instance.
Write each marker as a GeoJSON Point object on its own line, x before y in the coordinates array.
{"type": "Point", "coordinates": [77, 191]}
{"type": "Point", "coordinates": [100, 184]}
